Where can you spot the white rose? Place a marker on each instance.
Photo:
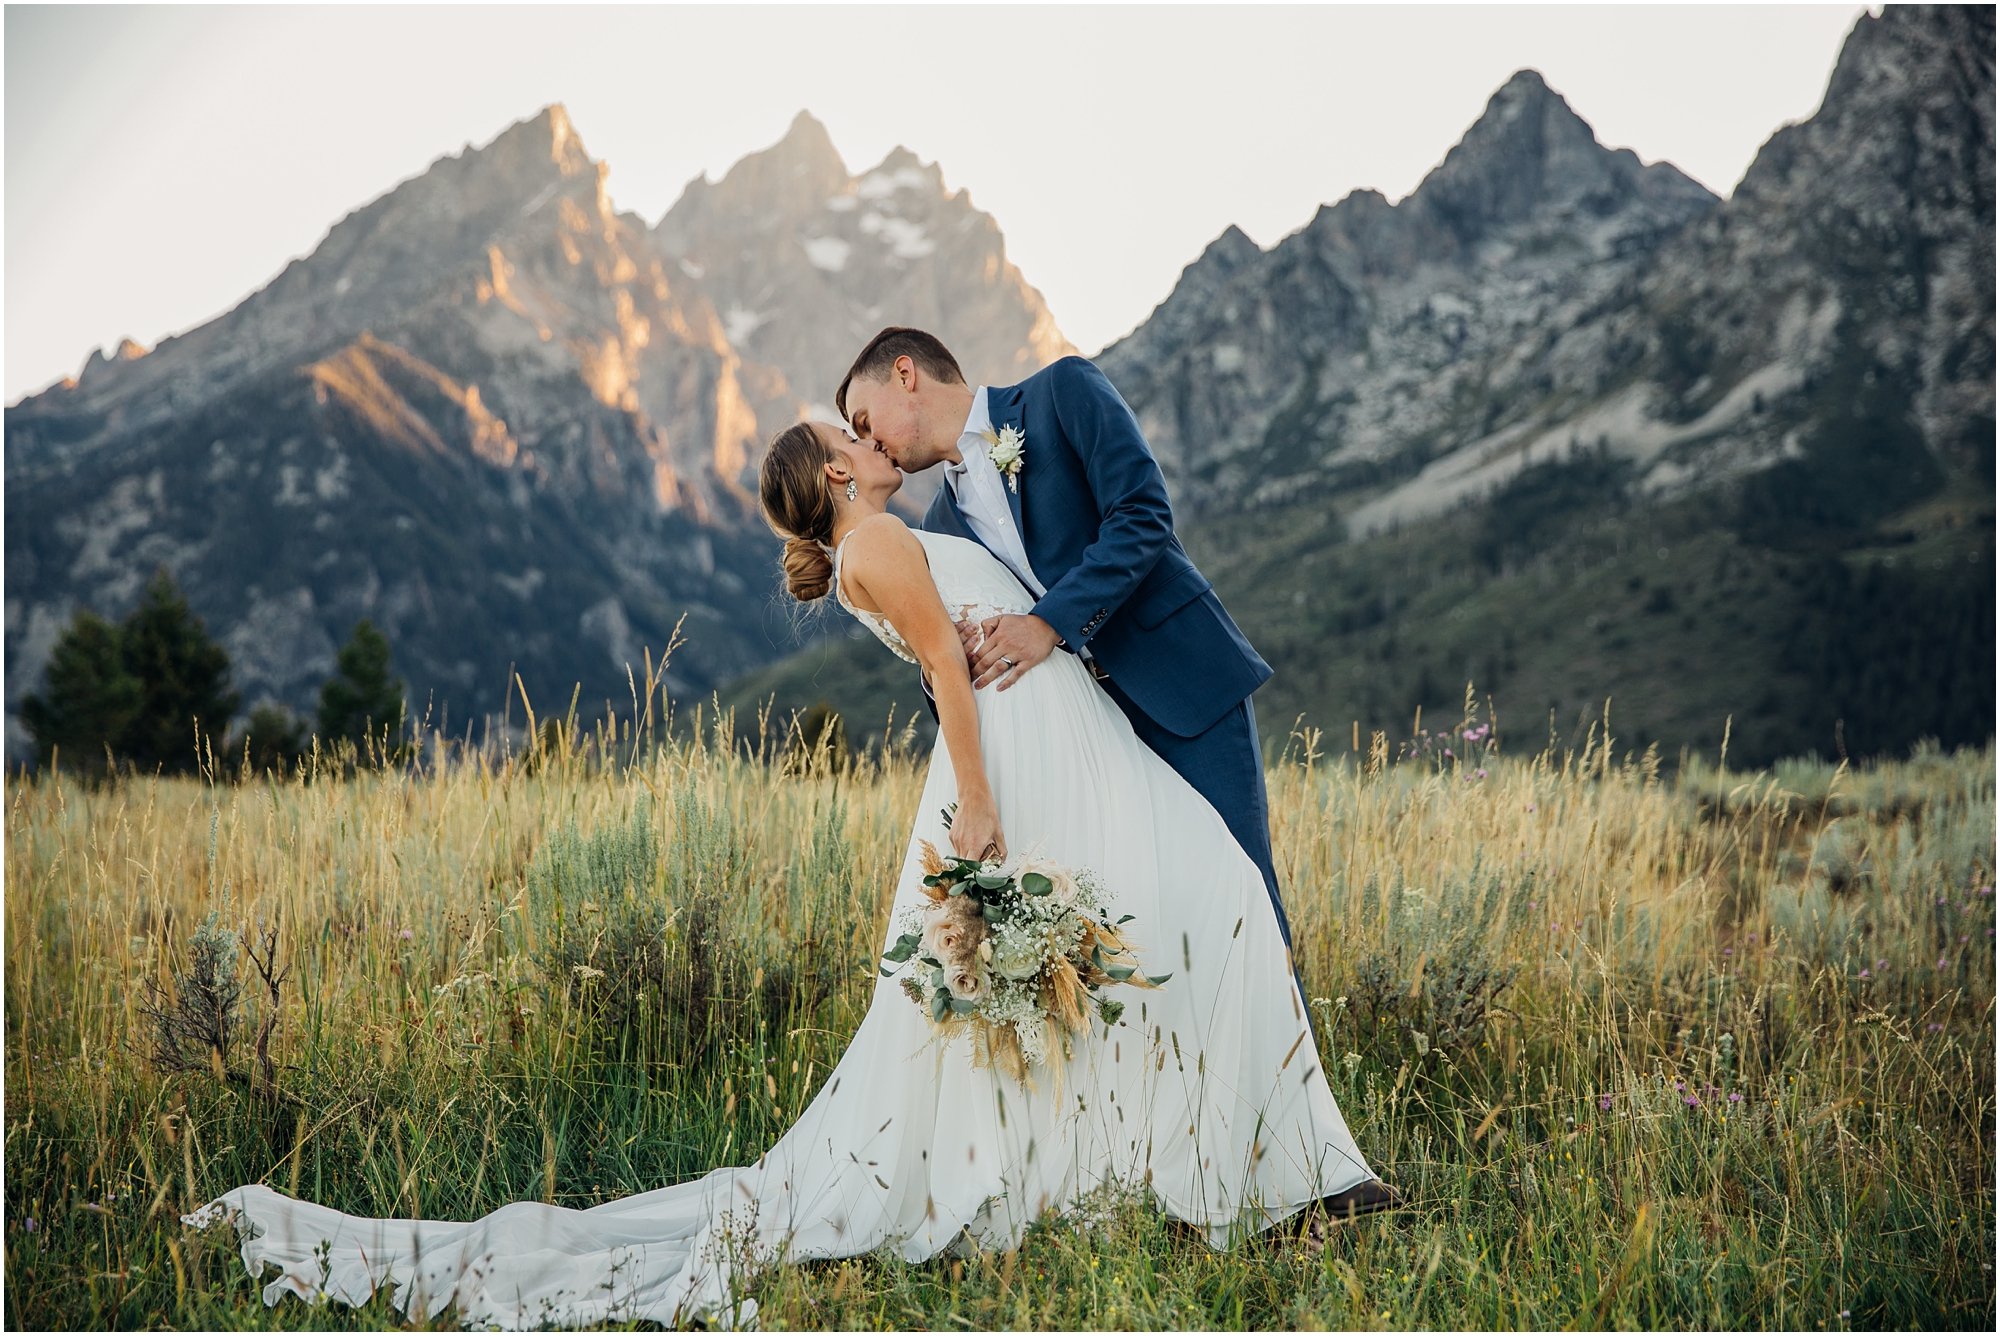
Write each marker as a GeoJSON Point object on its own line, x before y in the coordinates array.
{"type": "Point", "coordinates": [947, 938]}
{"type": "Point", "coordinates": [1018, 958]}
{"type": "Point", "coordinates": [965, 982]}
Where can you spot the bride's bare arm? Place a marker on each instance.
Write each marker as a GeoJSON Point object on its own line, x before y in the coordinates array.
{"type": "Point", "coordinates": [886, 565]}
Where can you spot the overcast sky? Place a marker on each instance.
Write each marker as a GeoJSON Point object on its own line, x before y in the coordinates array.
{"type": "Point", "coordinates": [163, 162]}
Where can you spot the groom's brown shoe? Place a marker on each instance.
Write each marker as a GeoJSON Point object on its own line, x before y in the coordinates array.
{"type": "Point", "coordinates": [1361, 1199]}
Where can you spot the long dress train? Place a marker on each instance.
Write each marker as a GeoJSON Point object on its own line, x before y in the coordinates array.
{"type": "Point", "coordinates": [1208, 1091]}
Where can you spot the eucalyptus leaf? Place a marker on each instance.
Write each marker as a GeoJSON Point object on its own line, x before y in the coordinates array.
{"type": "Point", "coordinates": [1037, 884]}
{"type": "Point", "coordinates": [961, 1007]}
{"type": "Point", "coordinates": [1159, 978]}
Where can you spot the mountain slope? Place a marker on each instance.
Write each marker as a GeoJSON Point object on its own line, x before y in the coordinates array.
{"type": "Point", "coordinates": [487, 411]}
{"type": "Point", "coordinates": [1562, 424]}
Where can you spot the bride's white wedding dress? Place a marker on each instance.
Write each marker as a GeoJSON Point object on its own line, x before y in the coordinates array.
{"type": "Point", "coordinates": [1208, 1092]}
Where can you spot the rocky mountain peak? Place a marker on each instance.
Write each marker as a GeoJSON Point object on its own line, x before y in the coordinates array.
{"type": "Point", "coordinates": [798, 172]}
{"type": "Point", "coordinates": [1873, 97]}
{"type": "Point", "coordinates": [901, 170]}
{"type": "Point", "coordinates": [428, 231]}
{"type": "Point", "coordinates": [1530, 158]}
{"type": "Point", "coordinates": [548, 137]}
{"type": "Point", "coordinates": [807, 140]}
{"type": "Point", "coordinates": [1883, 49]}
{"type": "Point", "coordinates": [804, 261]}
{"type": "Point", "coordinates": [1231, 250]}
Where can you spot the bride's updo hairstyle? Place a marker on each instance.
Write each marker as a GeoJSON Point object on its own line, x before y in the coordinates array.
{"type": "Point", "coordinates": [798, 504]}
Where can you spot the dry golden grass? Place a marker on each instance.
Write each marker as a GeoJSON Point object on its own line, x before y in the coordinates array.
{"type": "Point", "coordinates": [1524, 968]}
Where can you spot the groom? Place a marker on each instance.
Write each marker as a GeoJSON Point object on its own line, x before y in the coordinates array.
{"type": "Point", "coordinates": [1081, 516]}
{"type": "Point", "coordinates": [1054, 478]}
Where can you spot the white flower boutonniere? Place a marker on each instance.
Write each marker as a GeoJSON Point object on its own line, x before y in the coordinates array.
{"type": "Point", "coordinates": [1005, 449]}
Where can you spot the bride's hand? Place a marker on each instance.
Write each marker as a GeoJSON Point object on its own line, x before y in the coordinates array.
{"type": "Point", "coordinates": [975, 830]}
{"type": "Point", "coordinates": [971, 634]}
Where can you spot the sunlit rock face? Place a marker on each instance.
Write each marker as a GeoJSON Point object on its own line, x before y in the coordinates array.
{"type": "Point", "coordinates": [805, 261]}
{"type": "Point", "coordinates": [489, 412]}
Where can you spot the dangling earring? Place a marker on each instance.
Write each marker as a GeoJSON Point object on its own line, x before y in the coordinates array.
{"type": "Point", "coordinates": [851, 492]}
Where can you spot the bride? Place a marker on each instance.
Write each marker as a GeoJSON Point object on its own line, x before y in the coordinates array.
{"type": "Point", "coordinates": [1206, 1093]}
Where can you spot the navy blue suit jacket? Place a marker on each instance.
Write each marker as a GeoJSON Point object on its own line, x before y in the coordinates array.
{"type": "Point", "coordinates": [1092, 510]}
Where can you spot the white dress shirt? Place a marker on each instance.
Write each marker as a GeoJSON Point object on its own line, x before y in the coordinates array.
{"type": "Point", "coordinates": [982, 495]}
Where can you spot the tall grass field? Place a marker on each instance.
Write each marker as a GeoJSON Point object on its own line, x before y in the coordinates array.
{"type": "Point", "coordinates": [1713, 1050]}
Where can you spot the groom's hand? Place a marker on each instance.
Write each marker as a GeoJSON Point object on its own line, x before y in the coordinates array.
{"type": "Point", "coordinates": [1023, 638]}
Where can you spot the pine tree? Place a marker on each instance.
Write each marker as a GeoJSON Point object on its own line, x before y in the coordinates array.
{"type": "Point", "coordinates": [183, 681]}
{"type": "Point", "coordinates": [361, 700]}
{"type": "Point", "coordinates": [88, 700]}
{"type": "Point", "coordinates": [273, 739]}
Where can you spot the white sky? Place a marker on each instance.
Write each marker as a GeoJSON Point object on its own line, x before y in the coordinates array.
{"type": "Point", "coordinates": [163, 162]}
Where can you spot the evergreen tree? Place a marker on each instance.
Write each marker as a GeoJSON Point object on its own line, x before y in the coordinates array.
{"type": "Point", "coordinates": [88, 698]}
{"type": "Point", "coordinates": [361, 699]}
{"type": "Point", "coordinates": [183, 681]}
{"type": "Point", "coordinates": [273, 739]}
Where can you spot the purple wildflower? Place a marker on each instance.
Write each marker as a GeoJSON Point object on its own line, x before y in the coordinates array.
{"type": "Point", "coordinates": [1735, 1097]}
{"type": "Point", "coordinates": [406, 934]}
{"type": "Point", "coordinates": [1604, 1103]}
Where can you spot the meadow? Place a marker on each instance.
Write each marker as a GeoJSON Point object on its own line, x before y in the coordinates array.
{"type": "Point", "coordinates": [1714, 1051]}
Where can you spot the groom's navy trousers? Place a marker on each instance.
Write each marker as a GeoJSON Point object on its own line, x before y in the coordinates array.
{"type": "Point", "coordinates": [1224, 765]}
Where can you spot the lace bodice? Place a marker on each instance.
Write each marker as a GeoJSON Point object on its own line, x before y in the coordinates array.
{"type": "Point", "coordinates": [971, 582]}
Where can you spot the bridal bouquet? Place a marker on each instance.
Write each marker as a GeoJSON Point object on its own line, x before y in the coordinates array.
{"type": "Point", "coordinates": [1017, 954]}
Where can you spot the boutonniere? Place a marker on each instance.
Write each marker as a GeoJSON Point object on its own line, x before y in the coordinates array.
{"type": "Point", "coordinates": [1005, 449]}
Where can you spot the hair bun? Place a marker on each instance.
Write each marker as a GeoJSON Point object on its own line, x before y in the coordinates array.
{"type": "Point", "coordinates": [808, 569]}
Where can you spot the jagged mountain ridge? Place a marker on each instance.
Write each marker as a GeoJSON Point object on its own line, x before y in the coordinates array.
{"type": "Point", "coordinates": [1319, 362]}
{"type": "Point", "coordinates": [487, 411]}
{"type": "Point", "coordinates": [1564, 424]}
{"type": "Point", "coordinates": [1537, 291]}
{"type": "Point", "coordinates": [806, 260]}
